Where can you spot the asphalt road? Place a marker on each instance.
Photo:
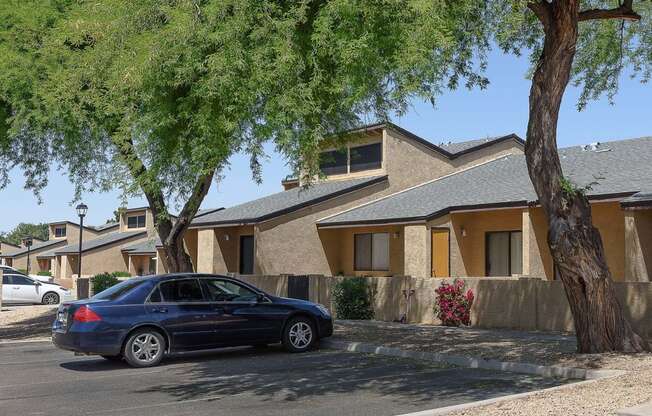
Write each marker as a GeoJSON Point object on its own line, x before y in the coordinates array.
{"type": "Point", "coordinates": [37, 379]}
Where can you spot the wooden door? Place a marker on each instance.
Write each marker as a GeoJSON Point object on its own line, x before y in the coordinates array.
{"type": "Point", "coordinates": [440, 264]}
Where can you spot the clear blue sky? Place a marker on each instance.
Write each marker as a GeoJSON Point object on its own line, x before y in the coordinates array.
{"type": "Point", "coordinates": [463, 114]}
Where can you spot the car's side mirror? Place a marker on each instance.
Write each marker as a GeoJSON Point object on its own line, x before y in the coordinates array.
{"type": "Point", "coordinates": [38, 283]}
{"type": "Point", "coordinates": [260, 298]}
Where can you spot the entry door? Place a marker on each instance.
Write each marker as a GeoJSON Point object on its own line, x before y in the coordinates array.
{"type": "Point", "coordinates": [440, 252]}
{"type": "Point", "coordinates": [246, 254]}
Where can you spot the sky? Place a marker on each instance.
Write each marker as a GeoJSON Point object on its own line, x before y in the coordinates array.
{"type": "Point", "coordinates": [460, 115]}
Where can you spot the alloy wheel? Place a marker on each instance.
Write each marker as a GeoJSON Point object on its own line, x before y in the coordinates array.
{"type": "Point", "coordinates": [51, 299]}
{"type": "Point", "coordinates": [300, 335]}
{"type": "Point", "coordinates": [146, 348]}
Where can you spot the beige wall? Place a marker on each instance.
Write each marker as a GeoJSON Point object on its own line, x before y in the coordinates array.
{"type": "Point", "coordinates": [149, 221]}
{"type": "Point", "coordinates": [72, 232]}
{"type": "Point", "coordinates": [638, 245]}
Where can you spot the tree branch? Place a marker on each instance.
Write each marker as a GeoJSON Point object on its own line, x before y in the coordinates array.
{"type": "Point", "coordinates": [541, 10]}
{"type": "Point", "coordinates": [191, 206]}
{"type": "Point", "coordinates": [625, 11]}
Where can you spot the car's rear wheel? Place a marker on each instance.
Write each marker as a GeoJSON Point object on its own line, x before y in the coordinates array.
{"type": "Point", "coordinates": [50, 298]}
{"type": "Point", "coordinates": [144, 348]}
{"type": "Point", "coordinates": [299, 335]}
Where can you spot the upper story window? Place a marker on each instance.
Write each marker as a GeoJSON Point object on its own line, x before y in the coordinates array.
{"type": "Point", "coordinates": [60, 232]}
{"type": "Point", "coordinates": [366, 157]}
{"type": "Point", "coordinates": [136, 221]}
{"type": "Point", "coordinates": [352, 159]}
{"type": "Point", "coordinates": [334, 162]}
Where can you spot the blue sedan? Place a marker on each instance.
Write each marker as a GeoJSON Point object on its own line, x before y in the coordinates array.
{"type": "Point", "coordinates": [141, 320]}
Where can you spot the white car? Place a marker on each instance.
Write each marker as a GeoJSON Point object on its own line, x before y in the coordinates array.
{"type": "Point", "coordinates": [11, 270]}
{"type": "Point", "coordinates": [18, 288]}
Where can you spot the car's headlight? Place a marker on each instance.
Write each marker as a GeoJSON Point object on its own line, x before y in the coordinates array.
{"type": "Point", "coordinates": [323, 310]}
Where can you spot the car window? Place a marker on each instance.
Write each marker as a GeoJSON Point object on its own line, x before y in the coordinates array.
{"type": "Point", "coordinates": [227, 291]}
{"type": "Point", "coordinates": [185, 290]}
{"type": "Point", "coordinates": [114, 292]}
{"type": "Point", "coordinates": [6, 280]}
{"type": "Point", "coordinates": [155, 296]}
{"type": "Point", "coordinates": [21, 280]}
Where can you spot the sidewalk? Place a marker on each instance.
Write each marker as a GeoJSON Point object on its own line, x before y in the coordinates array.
{"type": "Point", "coordinates": [602, 397]}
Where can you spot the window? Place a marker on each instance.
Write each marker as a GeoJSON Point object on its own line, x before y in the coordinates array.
{"type": "Point", "coordinates": [155, 296]}
{"type": "Point", "coordinates": [136, 221]}
{"type": "Point", "coordinates": [366, 157]}
{"type": "Point", "coordinates": [504, 253]}
{"type": "Point", "coordinates": [371, 251]}
{"type": "Point", "coordinates": [5, 280]}
{"type": "Point", "coordinates": [334, 162]}
{"type": "Point", "coordinates": [152, 265]}
{"type": "Point", "coordinates": [21, 280]}
{"type": "Point", "coordinates": [246, 254]}
{"type": "Point", "coordinates": [122, 288]}
{"type": "Point", "coordinates": [59, 232]}
{"type": "Point", "coordinates": [226, 291]}
{"type": "Point", "coordinates": [186, 290]}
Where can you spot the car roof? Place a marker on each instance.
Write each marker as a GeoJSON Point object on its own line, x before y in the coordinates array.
{"type": "Point", "coordinates": [170, 276]}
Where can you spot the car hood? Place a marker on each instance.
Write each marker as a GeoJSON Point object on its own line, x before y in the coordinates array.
{"type": "Point", "coordinates": [291, 301]}
{"type": "Point", "coordinates": [52, 286]}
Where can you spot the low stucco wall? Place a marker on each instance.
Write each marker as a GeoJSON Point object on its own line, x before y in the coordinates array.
{"type": "Point", "coordinates": [531, 304]}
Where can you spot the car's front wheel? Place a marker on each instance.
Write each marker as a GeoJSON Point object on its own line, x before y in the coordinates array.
{"type": "Point", "coordinates": [299, 335]}
{"type": "Point", "coordinates": [50, 298]}
{"type": "Point", "coordinates": [144, 348]}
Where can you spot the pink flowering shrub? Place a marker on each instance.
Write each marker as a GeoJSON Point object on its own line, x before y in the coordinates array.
{"type": "Point", "coordinates": [453, 305]}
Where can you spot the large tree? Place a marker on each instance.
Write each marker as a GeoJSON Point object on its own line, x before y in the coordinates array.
{"type": "Point", "coordinates": [22, 230]}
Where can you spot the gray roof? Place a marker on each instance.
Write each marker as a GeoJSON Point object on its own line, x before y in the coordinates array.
{"type": "Point", "coordinates": [143, 247]}
{"type": "Point", "coordinates": [105, 226]}
{"type": "Point", "coordinates": [466, 145]}
{"type": "Point", "coordinates": [615, 168]}
{"type": "Point", "coordinates": [284, 202]}
{"type": "Point", "coordinates": [37, 247]}
{"type": "Point", "coordinates": [107, 239]}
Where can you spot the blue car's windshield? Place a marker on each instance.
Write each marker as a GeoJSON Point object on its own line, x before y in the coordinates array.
{"type": "Point", "coordinates": [114, 292]}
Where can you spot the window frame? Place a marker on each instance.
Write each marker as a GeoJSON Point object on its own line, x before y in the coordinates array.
{"type": "Point", "coordinates": [371, 252]}
{"type": "Point", "coordinates": [350, 158]}
{"type": "Point", "coordinates": [137, 217]}
{"type": "Point", "coordinates": [60, 227]}
{"type": "Point", "coordinates": [509, 251]}
{"type": "Point", "coordinates": [347, 151]}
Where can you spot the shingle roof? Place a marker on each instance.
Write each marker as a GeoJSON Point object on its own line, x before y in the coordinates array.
{"type": "Point", "coordinates": [143, 247]}
{"type": "Point", "coordinates": [467, 145]}
{"type": "Point", "coordinates": [35, 248]}
{"type": "Point", "coordinates": [621, 167]}
{"type": "Point", "coordinates": [107, 239]}
{"type": "Point", "coordinates": [284, 202]}
{"type": "Point", "coordinates": [105, 226]}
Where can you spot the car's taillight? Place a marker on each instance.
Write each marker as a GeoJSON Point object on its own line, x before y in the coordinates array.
{"type": "Point", "coordinates": [86, 314]}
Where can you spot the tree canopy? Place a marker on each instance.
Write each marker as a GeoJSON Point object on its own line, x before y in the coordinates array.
{"type": "Point", "coordinates": [23, 230]}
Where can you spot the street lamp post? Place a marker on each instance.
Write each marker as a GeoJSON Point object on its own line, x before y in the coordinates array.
{"type": "Point", "coordinates": [82, 209]}
{"type": "Point", "coordinates": [27, 242]}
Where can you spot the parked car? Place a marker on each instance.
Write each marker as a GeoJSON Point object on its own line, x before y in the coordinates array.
{"type": "Point", "coordinates": [18, 288]}
{"type": "Point", "coordinates": [11, 270]}
{"type": "Point", "coordinates": [142, 319]}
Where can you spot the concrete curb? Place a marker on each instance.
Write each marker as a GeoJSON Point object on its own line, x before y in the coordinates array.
{"type": "Point", "coordinates": [474, 362]}
{"type": "Point", "coordinates": [27, 341]}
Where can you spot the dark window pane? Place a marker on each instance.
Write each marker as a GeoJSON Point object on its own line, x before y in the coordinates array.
{"type": "Point", "coordinates": [60, 231]}
{"type": "Point", "coordinates": [362, 252]}
{"type": "Point", "coordinates": [227, 291]}
{"type": "Point", "coordinates": [246, 254]}
{"type": "Point", "coordinates": [333, 162]}
{"type": "Point", "coordinates": [366, 157]}
{"type": "Point", "coordinates": [21, 280]}
{"type": "Point", "coordinates": [155, 297]}
{"type": "Point", "coordinates": [114, 292]}
{"type": "Point", "coordinates": [136, 221]}
{"type": "Point", "coordinates": [186, 290]}
{"type": "Point", "coordinates": [5, 280]}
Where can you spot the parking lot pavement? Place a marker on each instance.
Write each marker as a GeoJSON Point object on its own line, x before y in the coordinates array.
{"type": "Point", "coordinates": [37, 379]}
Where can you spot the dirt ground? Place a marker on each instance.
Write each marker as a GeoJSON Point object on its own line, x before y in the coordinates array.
{"type": "Point", "coordinates": [26, 322]}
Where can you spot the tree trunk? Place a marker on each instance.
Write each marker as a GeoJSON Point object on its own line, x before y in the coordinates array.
{"type": "Point", "coordinates": [574, 242]}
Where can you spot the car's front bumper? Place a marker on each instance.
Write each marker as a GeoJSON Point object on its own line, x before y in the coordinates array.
{"type": "Point", "coordinates": [325, 327]}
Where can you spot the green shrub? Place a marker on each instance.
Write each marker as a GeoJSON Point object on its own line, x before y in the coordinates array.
{"type": "Point", "coordinates": [44, 273]}
{"type": "Point", "coordinates": [121, 274]}
{"type": "Point", "coordinates": [352, 299]}
{"type": "Point", "coordinates": [103, 281]}
{"type": "Point", "coordinates": [23, 271]}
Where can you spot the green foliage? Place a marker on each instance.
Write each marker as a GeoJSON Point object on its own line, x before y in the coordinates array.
{"type": "Point", "coordinates": [103, 281]}
{"type": "Point", "coordinates": [22, 230]}
{"type": "Point", "coordinates": [352, 299]}
{"type": "Point", "coordinates": [149, 96]}
{"type": "Point", "coordinates": [23, 271]}
{"type": "Point", "coordinates": [44, 273]}
{"type": "Point", "coordinates": [121, 274]}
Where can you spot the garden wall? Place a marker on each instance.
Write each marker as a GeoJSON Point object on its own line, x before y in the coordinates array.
{"type": "Point", "coordinates": [511, 303]}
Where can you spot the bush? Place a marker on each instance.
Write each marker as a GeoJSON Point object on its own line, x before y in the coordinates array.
{"type": "Point", "coordinates": [44, 273]}
{"type": "Point", "coordinates": [452, 305]}
{"type": "Point", "coordinates": [121, 274]}
{"type": "Point", "coordinates": [103, 281]}
{"type": "Point", "coordinates": [352, 299]}
{"type": "Point", "coordinates": [23, 271]}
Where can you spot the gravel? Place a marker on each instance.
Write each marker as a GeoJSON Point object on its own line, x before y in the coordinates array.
{"type": "Point", "coordinates": [26, 322]}
{"type": "Point", "coordinates": [602, 397]}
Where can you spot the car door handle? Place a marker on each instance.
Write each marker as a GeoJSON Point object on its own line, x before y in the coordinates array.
{"type": "Point", "coordinates": [218, 309]}
{"type": "Point", "coordinates": [160, 310]}
{"type": "Point", "coordinates": [16, 287]}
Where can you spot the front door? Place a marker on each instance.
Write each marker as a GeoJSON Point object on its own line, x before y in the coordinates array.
{"type": "Point", "coordinates": [23, 289]}
{"type": "Point", "coordinates": [246, 254]}
{"type": "Point", "coordinates": [440, 252]}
